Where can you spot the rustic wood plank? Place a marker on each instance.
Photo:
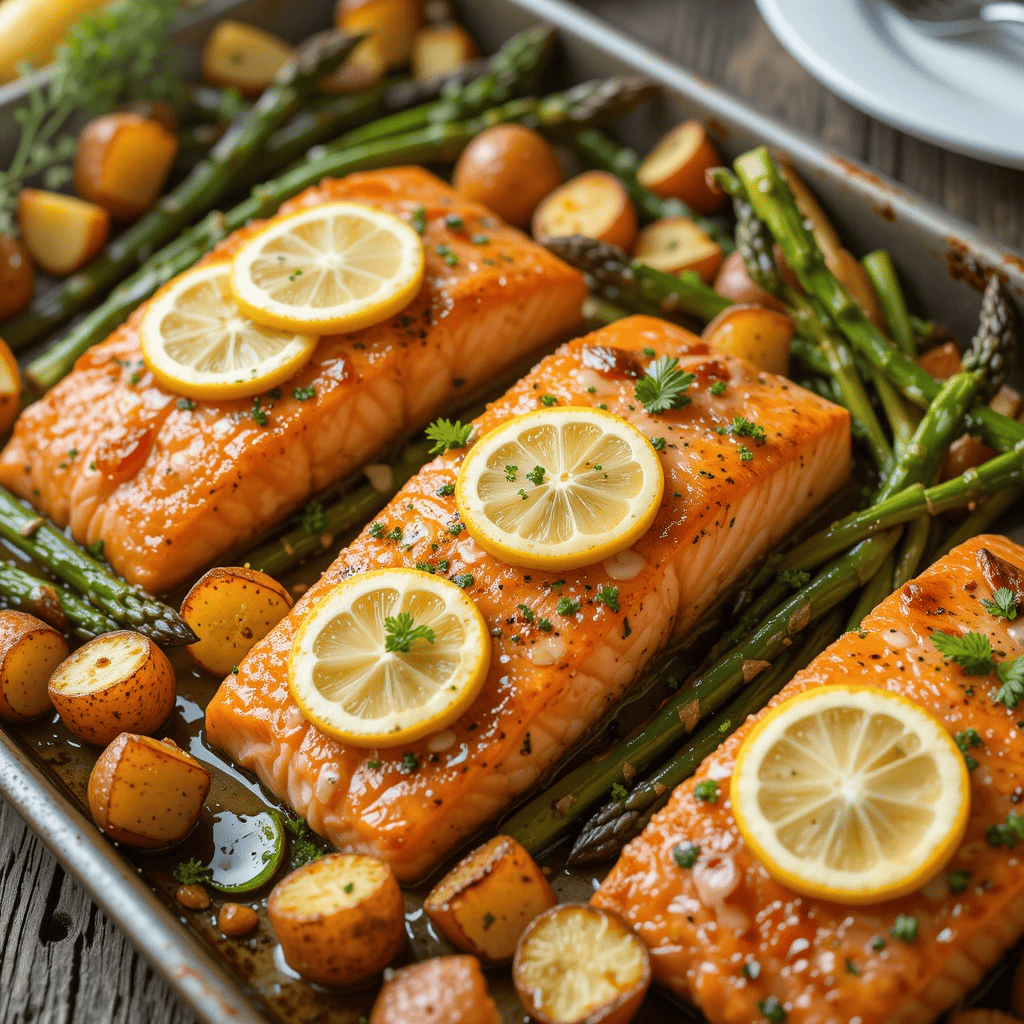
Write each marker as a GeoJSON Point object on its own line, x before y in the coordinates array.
{"type": "Point", "coordinates": [60, 959]}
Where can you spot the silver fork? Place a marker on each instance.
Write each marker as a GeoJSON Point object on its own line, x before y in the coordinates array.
{"type": "Point", "coordinates": [957, 17]}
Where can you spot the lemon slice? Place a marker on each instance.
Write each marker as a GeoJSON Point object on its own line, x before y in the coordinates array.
{"type": "Point", "coordinates": [328, 269]}
{"type": "Point", "coordinates": [349, 685]}
{"type": "Point", "coordinates": [851, 794]}
{"type": "Point", "coordinates": [198, 343]}
{"type": "Point", "coordinates": [559, 488]}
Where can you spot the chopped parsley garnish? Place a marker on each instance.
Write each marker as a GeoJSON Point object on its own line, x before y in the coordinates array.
{"type": "Point", "coordinates": [795, 578]}
{"type": "Point", "coordinates": [489, 919]}
{"type": "Point", "coordinates": [95, 548]}
{"type": "Point", "coordinates": [742, 427]}
{"type": "Point", "coordinates": [664, 386]}
{"type": "Point", "coordinates": [706, 790]}
{"type": "Point", "coordinates": [447, 255]}
{"type": "Point", "coordinates": [536, 476]}
{"type": "Point", "coordinates": [402, 631]}
{"type": "Point", "coordinates": [608, 596]}
{"type": "Point", "coordinates": [649, 352]}
{"type": "Point", "coordinates": [904, 928]}
{"type": "Point", "coordinates": [548, 400]}
{"type": "Point", "coordinates": [619, 792]}
{"type": "Point", "coordinates": [544, 624]}
{"type": "Point", "coordinates": [296, 273]}
{"type": "Point", "coordinates": [135, 378]}
{"type": "Point", "coordinates": [304, 846]}
{"type": "Point", "coordinates": [258, 413]}
{"type": "Point", "coordinates": [419, 219]}
{"type": "Point", "coordinates": [745, 453]}
{"type": "Point", "coordinates": [852, 968]}
{"type": "Point", "coordinates": [958, 880]}
{"type": "Point", "coordinates": [456, 528]}
{"type": "Point", "coordinates": [1003, 604]}
{"type": "Point", "coordinates": [410, 762]}
{"type": "Point", "coordinates": [462, 579]}
{"type": "Point", "coordinates": [966, 740]}
{"type": "Point", "coordinates": [658, 444]}
{"type": "Point", "coordinates": [304, 394]}
{"type": "Point", "coordinates": [751, 969]}
{"type": "Point", "coordinates": [426, 567]}
{"type": "Point", "coordinates": [373, 764]}
{"type": "Point", "coordinates": [510, 473]}
{"type": "Point", "coordinates": [1011, 675]}
{"type": "Point", "coordinates": [192, 872]}
{"type": "Point", "coordinates": [718, 388]}
{"type": "Point", "coordinates": [878, 943]}
{"type": "Point", "coordinates": [395, 534]}
{"type": "Point", "coordinates": [377, 529]}
{"type": "Point", "coordinates": [454, 221]}
{"type": "Point", "coordinates": [972, 651]}
{"type": "Point", "coordinates": [313, 519]}
{"type": "Point", "coordinates": [527, 612]}
{"type": "Point", "coordinates": [1008, 834]}
{"type": "Point", "coordinates": [480, 239]}
{"type": "Point", "coordinates": [446, 490]}
{"type": "Point", "coordinates": [772, 1010]}
{"type": "Point", "coordinates": [447, 435]}
{"type": "Point", "coordinates": [685, 855]}
{"type": "Point", "coordinates": [522, 494]}
{"type": "Point", "coordinates": [568, 605]}
{"type": "Point", "coordinates": [185, 404]}
{"type": "Point", "coordinates": [349, 887]}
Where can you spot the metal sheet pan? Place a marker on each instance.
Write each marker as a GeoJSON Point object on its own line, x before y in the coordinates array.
{"type": "Point", "coordinates": [43, 770]}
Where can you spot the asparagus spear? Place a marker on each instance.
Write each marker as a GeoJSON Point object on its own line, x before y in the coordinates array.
{"type": "Point", "coordinates": [875, 590]}
{"type": "Point", "coordinates": [915, 543]}
{"type": "Point", "coordinates": [545, 818]}
{"type": "Point", "coordinates": [598, 312]}
{"type": "Point", "coordinates": [607, 154]}
{"type": "Point", "coordinates": [129, 606]}
{"type": "Point", "coordinates": [755, 246]}
{"type": "Point", "coordinates": [207, 182]}
{"type": "Point", "coordinates": [890, 295]}
{"type": "Point", "coordinates": [633, 284]}
{"type": "Point", "coordinates": [774, 204]}
{"type": "Point", "coordinates": [590, 102]}
{"type": "Point", "coordinates": [61, 608]}
{"type": "Point", "coordinates": [982, 518]}
{"type": "Point", "coordinates": [618, 821]}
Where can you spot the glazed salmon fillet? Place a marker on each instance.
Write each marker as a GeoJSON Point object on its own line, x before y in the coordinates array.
{"type": "Point", "coordinates": [169, 485]}
{"type": "Point", "coordinates": [831, 963]}
{"type": "Point", "coordinates": [552, 674]}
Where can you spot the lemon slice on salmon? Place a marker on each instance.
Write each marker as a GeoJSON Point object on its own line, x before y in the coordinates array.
{"type": "Point", "coordinates": [197, 342]}
{"type": "Point", "coordinates": [560, 488]}
{"type": "Point", "coordinates": [851, 793]}
{"type": "Point", "coordinates": [328, 269]}
{"type": "Point", "coordinates": [389, 656]}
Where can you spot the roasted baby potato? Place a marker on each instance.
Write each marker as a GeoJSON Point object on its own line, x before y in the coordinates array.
{"type": "Point", "coordinates": [17, 278]}
{"type": "Point", "coordinates": [31, 29]}
{"type": "Point", "coordinates": [734, 283]}
{"type": "Point", "coordinates": [10, 388]}
{"type": "Point", "coordinates": [509, 169]}
{"type": "Point", "coordinates": [485, 902]}
{"type": "Point", "coordinates": [116, 683]}
{"type": "Point", "coordinates": [243, 56]}
{"type": "Point", "coordinates": [677, 165]}
{"type": "Point", "coordinates": [393, 23]}
{"type": "Point", "coordinates": [147, 793]}
{"type": "Point", "coordinates": [595, 204]}
{"type": "Point", "coordinates": [231, 609]}
{"type": "Point", "coordinates": [364, 67]}
{"type": "Point", "coordinates": [676, 244]}
{"type": "Point", "coordinates": [339, 919]}
{"type": "Point", "coordinates": [577, 964]}
{"type": "Point", "coordinates": [441, 50]}
{"type": "Point", "coordinates": [29, 651]}
{"type": "Point", "coordinates": [122, 162]}
{"type": "Point", "coordinates": [444, 990]}
{"type": "Point", "coordinates": [759, 335]}
{"type": "Point", "coordinates": [942, 361]}
{"type": "Point", "coordinates": [61, 233]}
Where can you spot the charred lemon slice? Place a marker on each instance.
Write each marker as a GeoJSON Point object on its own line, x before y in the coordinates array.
{"type": "Point", "coordinates": [851, 793]}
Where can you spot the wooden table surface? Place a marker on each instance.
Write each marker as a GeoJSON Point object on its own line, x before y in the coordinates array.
{"type": "Point", "coordinates": [60, 959]}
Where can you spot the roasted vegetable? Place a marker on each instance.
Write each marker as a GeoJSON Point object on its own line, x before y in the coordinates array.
{"type": "Point", "coordinates": [594, 204]}
{"type": "Point", "coordinates": [119, 682]}
{"type": "Point", "coordinates": [243, 57]}
{"type": "Point", "coordinates": [393, 23]}
{"type": "Point", "coordinates": [485, 902]}
{"type": "Point", "coordinates": [147, 793]}
{"type": "Point", "coordinates": [30, 30]}
{"type": "Point", "coordinates": [364, 68]}
{"type": "Point", "coordinates": [29, 651]}
{"type": "Point", "coordinates": [17, 278]}
{"type": "Point", "coordinates": [61, 233]}
{"type": "Point", "coordinates": [235, 920]}
{"type": "Point", "coordinates": [340, 919]}
{"type": "Point", "coordinates": [759, 335]}
{"type": "Point", "coordinates": [10, 388]}
{"type": "Point", "coordinates": [230, 610]}
{"type": "Point", "coordinates": [441, 49]}
{"type": "Point", "coordinates": [675, 245]}
{"type": "Point", "coordinates": [676, 167]}
{"type": "Point", "coordinates": [733, 282]}
{"type": "Point", "coordinates": [444, 990]}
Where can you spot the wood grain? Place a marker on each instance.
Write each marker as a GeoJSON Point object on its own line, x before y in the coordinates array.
{"type": "Point", "coordinates": [60, 959]}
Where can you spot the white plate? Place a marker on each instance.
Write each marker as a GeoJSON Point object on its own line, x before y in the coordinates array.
{"type": "Point", "coordinates": [966, 95]}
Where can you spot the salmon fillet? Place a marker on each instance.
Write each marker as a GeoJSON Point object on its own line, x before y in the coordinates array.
{"type": "Point", "coordinates": [820, 959]}
{"type": "Point", "coordinates": [545, 687]}
{"type": "Point", "coordinates": [169, 486]}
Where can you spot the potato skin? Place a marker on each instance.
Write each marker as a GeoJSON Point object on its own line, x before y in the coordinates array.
{"type": "Point", "coordinates": [231, 609]}
{"type": "Point", "coordinates": [394, 24]}
{"type": "Point", "coordinates": [147, 793]}
{"type": "Point", "coordinates": [485, 902]}
{"type": "Point", "coordinates": [734, 283]}
{"type": "Point", "coordinates": [759, 335]}
{"type": "Point", "coordinates": [509, 169]}
{"type": "Point", "coordinates": [17, 277]}
{"type": "Point", "coordinates": [444, 990]}
{"type": "Point", "coordinates": [29, 651]}
{"type": "Point", "coordinates": [336, 942]}
{"type": "Point", "coordinates": [595, 204]}
{"type": "Point", "coordinates": [686, 179]}
{"type": "Point", "coordinates": [140, 702]}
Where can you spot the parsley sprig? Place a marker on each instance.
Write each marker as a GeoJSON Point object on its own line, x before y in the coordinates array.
{"type": "Point", "coordinates": [664, 386]}
{"type": "Point", "coordinates": [1003, 604]}
{"type": "Point", "coordinates": [401, 631]}
{"type": "Point", "coordinates": [192, 872]}
{"type": "Point", "coordinates": [447, 435]}
{"type": "Point", "coordinates": [1011, 675]}
{"type": "Point", "coordinates": [972, 651]}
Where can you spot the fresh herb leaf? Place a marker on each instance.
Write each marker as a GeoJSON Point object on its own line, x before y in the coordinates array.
{"type": "Point", "coordinates": [972, 651]}
{"type": "Point", "coordinates": [1011, 675]}
{"type": "Point", "coordinates": [447, 435]}
{"type": "Point", "coordinates": [510, 473]}
{"type": "Point", "coordinates": [745, 453]}
{"type": "Point", "coordinates": [664, 386]}
{"type": "Point", "coordinates": [304, 394]}
{"type": "Point", "coordinates": [462, 579]}
{"type": "Point", "coordinates": [685, 855]}
{"type": "Point", "coordinates": [619, 792]}
{"type": "Point", "coordinates": [456, 528]}
{"type": "Point", "coordinates": [527, 612]}
{"type": "Point", "coordinates": [966, 740]}
{"type": "Point", "coordinates": [904, 928]}
{"type": "Point", "coordinates": [304, 845]}
{"type": "Point", "coordinates": [958, 881]}
{"type": "Point", "coordinates": [402, 631]}
{"type": "Point", "coordinates": [548, 400]}
{"type": "Point", "coordinates": [568, 605]}
{"type": "Point", "coordinates": [95, 548]}
{"type": "Point", "coordinates": [1003, 604]}
{"type": "Point", "coordinates": [751, 969]}
{"type": "Point", "coordinates": [718, 388]}
{"type": "Point", "coordinates": [258, 413]}
{"type": "Point", "coordinates": [706, 790]}
{"type": "Point", "coordinates": [878, 943]}
{"type": "Point", "coordinates": [742, 427]}
{"type": "Point", "coordinates": [1008, 834]}
{"type": "Point", "coordinates": [419, 219]}
{"type": "Point", "coordinates": [658, 444]}
{"type": "Point", "coordinates": [446, 490]}
{"type": "Point", "coordinates": [410, 762]}
{"type": "Point", "coordinates": [377, 529]}
{"type": "Point", "coordinates": [608, 596]}
{"type": "Point", "coordinates": [453, 221]}
{"type": "Point", "coordinates": [772, 1010]}
{"type": "Point", "coordinates": [185, 404]}
{"type": "Point", "coordinates": [536, 476]}
{"type": "Point", "coordinates": [795, 578]}
{"type": "Point", "coordinates": [446, 254]}
{"type": "Point", "coordinates": [544, 625]}
{"type": "Point", "coordinates": [192, 872]}
{"type": "Point", "coordinates": [314, 520]}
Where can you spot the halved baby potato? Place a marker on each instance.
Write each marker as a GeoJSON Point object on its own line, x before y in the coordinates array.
{"type": "Point", "coordinates": [340, 919]}
{"type": "Point", "coordinates": [243, 56]}
{"type": "Point", "coordinates": [122, 163]}
{"type": "Point", "coordinates": [10, 387]}
{"type": "Point", "coordinates": [675, 245]}
{"type": "Point", "coordinates": [577, 964]}
{"type": "Point", "coordinates": [231, 609]}
{"type": "Point", "coordinates": [147, 793]}
{"type": "Point", "coordinates": [734, 283]}
{"type": "Point", "coordinates": [676, 168]}
{"type": "Point", "coordinates": [29, 652]}
{"type": "Point", "coordinates": [17, 277]}
{"type": "Point", "coordinates": [759, 335]}
{"type": "Point", "coordinates": [119, 682]}
{"type": "Point", "coordinates": [485, 902]}
{"type": "Point", "coordinates": [595, 204]}
{"type": "Point", "coordinates": [364, 67]}
{"type": "Point", "coordinates": [393, 23]}
{"type": "Point", "coordinates": [443, 990]}
{"type": "Point", "coordinates": [61, 233]}
{"type": "Point", "coordinates": [441, 50]}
